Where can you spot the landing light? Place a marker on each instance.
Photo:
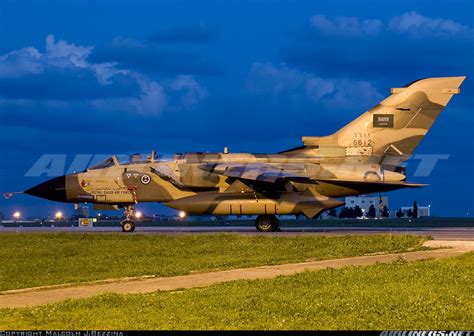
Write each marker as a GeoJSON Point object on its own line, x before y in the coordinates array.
{"type": "Point", "coordinates": [182, 214]}
{"type": "Point", "coordinates": [17, 215]}
{"type": "Point", "coordinates": [58, 215]}
{"type": "Point", "coordinates": [138, 215]}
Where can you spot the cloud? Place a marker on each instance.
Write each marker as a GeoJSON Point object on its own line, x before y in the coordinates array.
{"type": "Point", "coordinates": [20, 62]}
{"type": "Point", "coordinates": [152, 99]}
{"type": "Point", "coordinates": [62, 53]}
{"type": "Point", "coordinates": [411, 23]}
{"type": "Point", "coordinates": [266, 78]}
{"type": "Point", "coordinates": [193, 92]}
{"type": "Point", "coordinates": [124, 42]}
{"type": "Point", "coordinates": [345, 26]}
{"type": "Point", "coordinates": [67, 84]}
{"type": "Point", "coordinates": [65, 72]}
{"type": "Point", "coordinates": [420, 26]}
{"type": "Point", "coordinates": [190, 34]}
{"type": "Point", "coordinates": [389, 55]}
{"type": "Point", "coordinates": [61, 72]}
{"type": "Point", "coordinates": [150, 58]}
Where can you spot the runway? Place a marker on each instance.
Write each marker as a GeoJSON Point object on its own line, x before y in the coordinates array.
{"type": "Point", "coordinates": [439, 233]}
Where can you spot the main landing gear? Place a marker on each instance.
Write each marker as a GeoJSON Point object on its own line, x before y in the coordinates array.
{"type": "Point", "coordinates": [267, 223]}
{"type": "Point", "coordinates": [127, 224]}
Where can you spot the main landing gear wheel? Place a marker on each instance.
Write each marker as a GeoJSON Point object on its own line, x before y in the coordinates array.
{"type": "Point", "coordinates": [267, 223]}
{"type": "Point", "coordinates": [128, 226]}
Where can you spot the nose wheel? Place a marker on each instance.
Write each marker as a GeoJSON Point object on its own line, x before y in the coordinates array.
{"type": "Point", "coordinates": [127, 224]}
{"type": "Point", "coordinates": [267, 223]}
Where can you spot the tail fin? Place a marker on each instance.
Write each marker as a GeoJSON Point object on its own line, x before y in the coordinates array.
{"type": "Point", "coordinates": [397, 124]}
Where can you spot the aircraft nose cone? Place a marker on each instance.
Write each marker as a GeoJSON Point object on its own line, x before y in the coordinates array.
{"type": "Point", "coordinates": [54, 189]}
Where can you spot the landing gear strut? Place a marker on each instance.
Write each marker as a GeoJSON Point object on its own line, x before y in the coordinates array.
{"type": "Point", "coordinates": [267, 223]}
{"type": "Point", "coordinates": [127, 224]}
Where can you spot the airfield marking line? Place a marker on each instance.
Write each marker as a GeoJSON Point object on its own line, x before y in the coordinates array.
{"type": "Point", "coordinates": [147, 285]}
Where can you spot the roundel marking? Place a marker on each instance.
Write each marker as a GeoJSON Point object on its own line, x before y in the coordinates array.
{"type": "Point", "coordinates": [145, 179]}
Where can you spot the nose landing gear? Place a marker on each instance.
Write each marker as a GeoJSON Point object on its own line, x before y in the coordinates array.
{"type": "Point", "coordinates": [127, 224]}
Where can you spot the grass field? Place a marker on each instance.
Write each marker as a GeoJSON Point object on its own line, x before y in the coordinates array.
{"type": "Point", "coordinates": [419, 295]}
{"type": "Point", "coordinates": [30, 260]}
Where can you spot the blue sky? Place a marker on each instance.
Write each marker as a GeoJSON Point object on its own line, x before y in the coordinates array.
{"type": "Point", "coordinates": [83, 77]}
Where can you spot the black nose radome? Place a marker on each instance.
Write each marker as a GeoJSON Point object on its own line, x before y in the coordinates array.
{"type": "Point", "coordinates": [54, 189]}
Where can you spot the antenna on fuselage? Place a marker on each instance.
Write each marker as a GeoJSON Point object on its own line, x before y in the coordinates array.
{"type": "Point", "coordinates": [152, 156]}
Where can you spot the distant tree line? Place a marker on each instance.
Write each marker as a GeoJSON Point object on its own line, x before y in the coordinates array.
{"type": "Point", "coordinates": [411, 213]}
{"type": "Point", "coordinates": [347, 212]}
{"type": "Point", "coordinates": [354, 212]}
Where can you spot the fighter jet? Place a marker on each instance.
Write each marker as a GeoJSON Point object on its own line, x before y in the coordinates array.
{"type": "Point", "coordinates": [365, 156]}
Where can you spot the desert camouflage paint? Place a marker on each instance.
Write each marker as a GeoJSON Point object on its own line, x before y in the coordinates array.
{"type": "Point", "coordinates": [362, 157]}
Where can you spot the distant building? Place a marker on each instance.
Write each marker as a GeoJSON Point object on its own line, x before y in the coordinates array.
{"type": "Point", "coordinates": [82, 211]}
{"type": "Point", "coordinates": [235, 217]}
{"type": "Point", "coordinates": [423, 211]}
{"type": "Point", "coordinates": [198, 218]}
{"type": "Point", "coordinates": [364, 202]}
